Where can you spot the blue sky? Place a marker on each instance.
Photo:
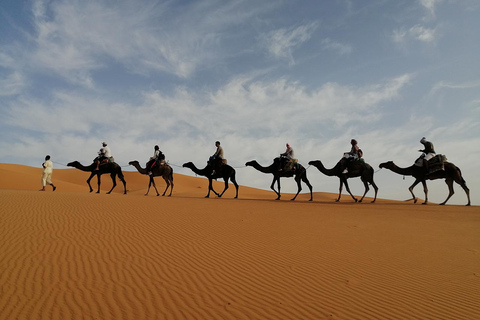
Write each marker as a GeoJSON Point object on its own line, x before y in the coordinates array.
{"type": "Point", "coordinates": [252, 74]}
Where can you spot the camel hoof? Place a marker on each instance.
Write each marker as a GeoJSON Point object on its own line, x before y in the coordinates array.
{"type": "Point", "coordinates": [467, 205]}
{"type": "Point", "coordinates": [425, 203]}
{"type": "Point", "coordinates": [442, 204]}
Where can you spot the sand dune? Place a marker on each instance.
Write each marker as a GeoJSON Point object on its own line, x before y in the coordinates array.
{"type": "Point", "coordinates": [71, 254]}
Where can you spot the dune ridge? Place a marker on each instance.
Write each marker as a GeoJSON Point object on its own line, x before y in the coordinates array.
{"type": "Point", "coordinates": [71, 254]}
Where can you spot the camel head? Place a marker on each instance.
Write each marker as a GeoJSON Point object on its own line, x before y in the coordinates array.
{"type": "Point", "coordinates": [188, 165]}
{"type": "Point", "coordinates": [73, 164]}
{"type": "Point", "coordinates": [387, 164]}
{"type": "Point", "coordinates": [314, 163]}
{"type": "Point", "coordinates": [250, 163]}
{"type": "Point", "coordinates": [133, 162]}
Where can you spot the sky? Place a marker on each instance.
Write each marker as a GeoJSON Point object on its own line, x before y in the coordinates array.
{"type": "Point", "coordinates": [253, 75]}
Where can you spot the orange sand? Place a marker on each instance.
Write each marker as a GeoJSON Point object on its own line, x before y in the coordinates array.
{"type": "Point", "coordinates": [71, 254]}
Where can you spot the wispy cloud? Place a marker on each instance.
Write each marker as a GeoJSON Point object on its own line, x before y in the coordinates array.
{"type": "Point", "coordinates": [341, 48]}
{"type": "Point", "coordinates": [415, 33]}
{"type": "Point", "coordinates": [282, 42]}
{"type": "Point", "coordinates": [75, 38]}
{"type": "Point", "coordinates": [429, 6]}
{"type": "Point", "coordinates": [12, 84]}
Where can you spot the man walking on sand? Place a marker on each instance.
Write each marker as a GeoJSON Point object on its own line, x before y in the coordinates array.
{"type": "Point", "coordinates": [47, 173]}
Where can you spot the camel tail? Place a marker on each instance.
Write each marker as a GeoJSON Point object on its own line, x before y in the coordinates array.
{"type": "Point", "coordinates": [171, 174]}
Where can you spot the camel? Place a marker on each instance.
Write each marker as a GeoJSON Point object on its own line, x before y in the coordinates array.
{"type": "Point", "coordinates": [300, 174]}
{"type": "Point", "coordinates": [164, 171]}
{"type": "Point", "coordinates": [355, 169]}
{"type": "Point", "coordinates": [450, 174]}
{"type": "Point", "coordinates": [111, 167]}
{"type": "Point", "coordinates": [225, 172]}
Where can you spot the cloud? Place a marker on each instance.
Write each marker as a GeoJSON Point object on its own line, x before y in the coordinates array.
{"type": "Point", "coordinates": [75, 38]}
{"type": "Point", "coordinates": [282, 42]}
{"type": "Point", "coordinates": [341, 48]}
{"type": "Point", "coordinates": [429, 6]}
{"type": "Point", "coordinates": [243, 108]}
{"type": "Point", "coordinates": [12, 84]}
{"type": "Point", "coordinates": [417, 33]}
{"type": "Point", "coordinates": [443, 84]}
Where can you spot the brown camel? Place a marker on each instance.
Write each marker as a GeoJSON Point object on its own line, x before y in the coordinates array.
{"type": "Point", "coordinates": [225, 172]}
{"type": "Point", "coordinates": [355, 169]}
{"type": "Point", "coordinates": [111, 167]}
{"type": "Point", "coordinates": [451, 173]}
{"type": "Point", "coordinates": [300, 174]}
{"type": "Point", "coordinates": [164, 171]}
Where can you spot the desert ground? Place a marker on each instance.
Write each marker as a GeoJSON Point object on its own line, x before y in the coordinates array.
{"type": "Point", "coordinates": [71, 254]}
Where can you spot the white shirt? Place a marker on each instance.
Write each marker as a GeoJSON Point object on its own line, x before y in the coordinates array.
{"type": "Point", "coordinates": [107, 152]}
{"type": "Point", "coordinates": [48, 167]}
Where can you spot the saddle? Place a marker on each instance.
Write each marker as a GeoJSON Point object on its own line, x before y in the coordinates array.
{"type": "Point", "coordinates": [287, 164]}
{"type": "Point", "coordinates": [436, 163]}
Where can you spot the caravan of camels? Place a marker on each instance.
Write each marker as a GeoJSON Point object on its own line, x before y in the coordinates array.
{"type": "Point", "coordinates": [429, 166]}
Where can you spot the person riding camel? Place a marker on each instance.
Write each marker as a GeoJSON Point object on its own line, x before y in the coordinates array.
{"type": "Point", "coordinates": [157, 159]}
{"type": "Point", "coordinates": [217, 160]}
{"type": "Point", "coordinates": [104, 156]}
{"type": "Point", "coordinates": [287, 159]}
{"type": "Point", "coordinates": [427, 153]}
{"type": "Point", "coordinates": [354, 154]}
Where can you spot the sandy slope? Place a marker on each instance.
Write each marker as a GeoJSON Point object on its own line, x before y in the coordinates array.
{"type": "Point", "coordinates": [71, 254]}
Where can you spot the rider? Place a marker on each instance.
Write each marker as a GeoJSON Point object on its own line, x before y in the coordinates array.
{"type": "Point", "coordinates": [427, 153]}
{"type": "Point", "coordinates": [216, 159]}
{"type": "Point", "coordinates": [354, 154]}
{"type": "Point", "coordinates": [158, 158]}
{"type": "Point", "coordinates": [104, 155]}
{"type": "Point", "coordinates": [288, 157]}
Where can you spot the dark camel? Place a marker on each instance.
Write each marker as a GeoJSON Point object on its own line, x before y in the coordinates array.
{"type": "Point", "coordinates": [225, 172]}
{"type": "Point", "coordinates": [300, 174]}
{"type": "Point", "coordinates": [450, 174]}
{"type": "Point", "coordinates": [164, 171]}
{"type": "Point", "coordinates": [355, 169]}
{"type": "Point", "coordinates": [112, 168]}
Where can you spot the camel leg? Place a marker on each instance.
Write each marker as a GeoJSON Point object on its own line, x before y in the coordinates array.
{"type": "Point", "coordinates": [124, 184]}
{"type": "Point", "coordinates": [171, 188]}
{"type": "Point", "coordinates": [449, 183]}
{"type": "Point", "coordinates": [467, 191]}
{"type": "Point", "coordinates": [411, 190]}
{"type": "Point", "coordinates": [425, 190]}
{"type": "Point", "coordinates": [98, 183]}
{"type": "Point", "coordinates": [272, 186]}
{"type": "Point", "coordinates": [348, 190]}
{"type": "Point", "coordinates": [149, 184]}
{"type": "Point", "coordinates": [226, 187]}
{"type": "Point", "coordinates": [210, 187]}
{"type": "Point", "coordinates": [304, 179]}
{"type": "Point", "coordinates": [154, 185]}
{"type": "Point", "coordinates": [365, 183]}
{"type": "Point", "coordinates": [114, 180]}
{"type": "Point", "coordinates": [340, 190]}
{"type": "Point", "coordinates": [234, 181]}
{"type": "Point", "coordinates": [88, 181]}
{"type": "Point", "coordinates": [168, 184]}
{"type": "Point", "coordinates": [376, 190]}
{"type": "Point", "coordinates": [463, 184]}
{"type": "Point", "coordinates": [299, 187]}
